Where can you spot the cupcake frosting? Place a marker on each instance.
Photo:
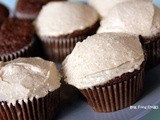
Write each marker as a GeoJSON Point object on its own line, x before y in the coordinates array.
{"type": "Point", "coordinates": [25, 78]}
{"type": "Point", "coordinates": [104, 7]}
{"type": "Point", "coordinates": [101, 58]}
{"type": "Point", "coordinates": [138, 17]}
{"type": "Point", "coordinates": [62, 18]}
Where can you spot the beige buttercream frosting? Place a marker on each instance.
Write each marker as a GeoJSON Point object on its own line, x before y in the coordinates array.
{"type": "Point", "coordinates": [104, 6]}
{"type": "Point", "coordinates": [138, 17]}
{"type": "Point", "coordinates": [25, 78]}
{"type": "Point", "coordinates": [63, 18]}
{"type": "Point", "coordinates": [101, 58]}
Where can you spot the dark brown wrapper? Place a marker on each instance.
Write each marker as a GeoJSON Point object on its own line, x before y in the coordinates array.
{"type": "Point", "coordinates": [121, 93]}
{"type": "Point", "coordinates": [27, 51]}
{"type": "Point", "coordinates": [152, 47]}
{"type": "Point", "coordinates": [37, 109]}
{"type": "Point", "coordinates": [57, 48]}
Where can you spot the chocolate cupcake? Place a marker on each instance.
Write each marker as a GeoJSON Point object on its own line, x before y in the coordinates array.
{"type": "Point", "coordinates": [60, 25]}
{"type": "Point", "coordinates": [16, 39]}
{"type": "Point", "coordinates": [29, 89]}
{"type": "Point", "coordinates": [4, 13]}
{"type": "Point", "coordinates": [140, 18]}
{"type": "Point", "coordinates": [104, 7]}
{"type": "Point", "coordinates": [107, 69]}
{"type": "Point", "coordinates": [29, 9]}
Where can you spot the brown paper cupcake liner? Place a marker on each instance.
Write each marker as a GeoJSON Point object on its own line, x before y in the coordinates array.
{"type": "Point", "coordinates": [152, 48]}
{"type": "Point", "coordinates": [57, 49]}
{"type": "Point", "coordinates": [121, 93]}
{"type": "Point", "coordinates": [36, 109]}
{"type": "Point", "coordinates": [27, 51]}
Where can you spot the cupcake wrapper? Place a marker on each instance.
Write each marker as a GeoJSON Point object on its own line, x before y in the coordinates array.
{"type": "Point", "coordinates": [57, 49]}
{"type": "Point", "coordinates": [152, 48]}
{"type": "Point", "coordinates": [37, 109]}
{"type": "Point", "coordinates": [27, 51]}
{"type": "Point", "coordinates": [116, 96]}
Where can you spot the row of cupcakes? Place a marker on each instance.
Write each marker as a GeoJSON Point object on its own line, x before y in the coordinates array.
{"type": "Point", "coordinates": [59, 31]}
{"type": "Point", "coordinates": [108, 68]}
{"type": "Point", "coordinates": [110, 75]}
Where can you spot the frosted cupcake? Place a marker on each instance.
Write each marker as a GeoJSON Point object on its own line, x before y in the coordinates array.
{"type": "Point", "coordinates": [140, 18]}
{"type": "Point", "coordinates": [60, 25]}
{"type": "Point", "coordinates": [107, 69]}
{"type": "Point", "coordinates": [29, 89]}
{"type": "Point", "coordinates": [103, 7]}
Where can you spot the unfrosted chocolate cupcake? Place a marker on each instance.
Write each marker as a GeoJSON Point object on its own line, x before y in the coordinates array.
{"type": "Point", "coordinates": [29, 89]}
{"type": "Point", "coordinates": [104, 7]}
{"type": "Point", "coordinates": [29, 9]}
{"type": "Point", "coordinates": [4, 13]}
{"type": "Point", "coordinates": [140, 18]}
{"type": "Point", "coordinates": [16, 39]}
{"type": "Point", "coordinates": [108, 70]}
{"type": "Point", "coordinates": [60, 25]}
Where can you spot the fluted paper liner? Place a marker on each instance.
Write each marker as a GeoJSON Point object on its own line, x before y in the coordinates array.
{"type": "Point", "coordinates": [27, 51]}
{"type": "Point", "coordinates": [56, 49]}
{"type": "Point", "coordinates": [152, 48]}
{"type": "Point", "coordinates": [36, 109]}
{"type": "Point", "coordinates": [117, 95]}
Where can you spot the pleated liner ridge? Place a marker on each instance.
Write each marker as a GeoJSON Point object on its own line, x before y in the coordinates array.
{"type": "Point", "coordinates": [27, 51]}
{"type": "Point", "coordinates": [37, 109]}
{"type": "Point", "coordinates": [122, 92]}
{"type": "Point", "coordinates": [57, 48]}
{"type": "Point", "coordinates": [152, 47]}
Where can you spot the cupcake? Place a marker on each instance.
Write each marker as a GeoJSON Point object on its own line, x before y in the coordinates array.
{"type": "Point", "coordinates": [16, 39]}
{"type": "Point", "coordinates": [29, 89]}
{"type": "Point", "coordinates": [107, 69]}
{"type": "Point", "coordinates": [140, 18]}
{"type": "Point", "coordinates": [29, 9]}
{"type": "Point", "coordinates": [4, 13]}
{"type": "Point", "coordinates": [104, 7]}
{"type": "Point", "coordinates": [60, 25]}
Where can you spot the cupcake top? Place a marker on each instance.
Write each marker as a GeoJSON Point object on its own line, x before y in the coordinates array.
{"type": "Point", "coordinates": [102, 57]}
{"type": "Point", "coordinates": [15, 34]}
{"type": "Point", "coordinates": [138, 17]}
{"type": "Point", "coordinates": [63, 18]}
{"type": "Point", "coordinates": [25, 78]}
{"type": "Point", "coordinates": [104, 7]}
